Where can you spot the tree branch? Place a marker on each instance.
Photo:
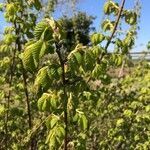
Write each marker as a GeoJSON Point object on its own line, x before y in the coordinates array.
{"type": "Point", "coordinates": [114, 29]}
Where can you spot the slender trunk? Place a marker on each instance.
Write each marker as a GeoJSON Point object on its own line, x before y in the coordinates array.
{"type": "Point", "coordinates": [27, 96]}
{"type": "Point", "coordinates": [28, 104]}
{"type": "Point", "coordinates": [8, 97]}
{"type": "Point", "coordinates": [63, 78]}
{"type": "Point", "coordinates": [65, 109]}
{"type": "Point", "coordinates": [19, 47]}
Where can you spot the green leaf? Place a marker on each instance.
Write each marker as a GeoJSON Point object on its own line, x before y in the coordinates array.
{"type": "Point", "coordinates": [148, 45]}
{"type": "Point", "coordinates": [147, 108]}
{"type": "Point", "coordinates": [81, 119]}
{"type": "Point", "coordinates": [61, 132]}
{"type": "Point", "coordinates": [36, 48]}
{"type": "Point", "coordinates": [119, 42]}
{"type": "Point", "coordinates": [40, 28]}
{"type": "Point", "coordinates": [53, 121]}
{"type": "Point", "coordinates": [28, 60]}
{"type": "Point", "coordinates": [83, 122]}
{"type": "Point", "coordinates": [34, 51]}
{"type": "Point", "coordinates": [127, 113]}
{"type": "Point", "coordinates": [1, 6]}
{"type": "Point", "coordinates": [2, 110]}
{"type": "Point", "coordinates": [31, 55]}
{"type": "Point", "coordinates": [43, 79]}
{"type": "Point", "coordinates": [107, 25]}
{"type": "Point", "coordinates": [97, 71]}
{"type": "Point", "coordinates": [55, 137]}
{"type": "Point", "coordinates": [117, 59]}
{"type": "Point", "coordinates": [111, 7]}
{"type": "Point", "coordinates": [54, 72]}
{"type": "Point", "coordinates": [130, 17]}
{"type": "Point", "coordinates": [47, 47]}
{"type": "Point", "coordinates": [36, 3]}
{"type": "Point", "coordinates": [78, 57]}
{"type": "Point", "coordinates": [11, 9]}
{"type": "Point", "coordinates": [97, 38]}
{"type": "Point", "coordinates": [120, 122]}
{"type": "Point", "coordinates": [89, 61]}
{"type": "Point", "coordinates": [44, 102]}
{"type": "Point", "coordinates": [9, 39]}
{"type": "Point", "coordinates": [54, 102]}
{"type": "Point", "coordinates": [47, 34]}
{"type": "Point", "coordinates": [97, 50]}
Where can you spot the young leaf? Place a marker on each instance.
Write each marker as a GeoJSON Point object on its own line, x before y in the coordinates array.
{"type": "Point", "coordinates": [130, 17]}
{"type": "Point", "coordinates": [42, 79]}
{"type": "Point", "coordinates": [107, 25]}
{"type": "Point", "coordinates": [40, 29]}
{"type": "Point", "coordinates": [83, 122]}
{"type": "Point", "coordinates": [111, 7]}
{"type": "Point", "coordinates": [78, 57]}
{"type": "Point", "coordinates": [44, 102]}
{"type": "Point", "coordinates": [97, 38]}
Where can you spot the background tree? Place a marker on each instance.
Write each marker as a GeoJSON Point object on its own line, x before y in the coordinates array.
{"type": "Point", "coordinates": [148, 45]}
{"type": "Point", "coordinates": [78, 29]}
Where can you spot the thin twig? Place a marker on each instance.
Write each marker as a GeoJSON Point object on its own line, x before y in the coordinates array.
{"type": "Point", "coordinates": [114, 29]}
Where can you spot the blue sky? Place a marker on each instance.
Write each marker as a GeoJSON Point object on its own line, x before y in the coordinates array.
{"type": "Point", "coordinates": [95, 8]}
